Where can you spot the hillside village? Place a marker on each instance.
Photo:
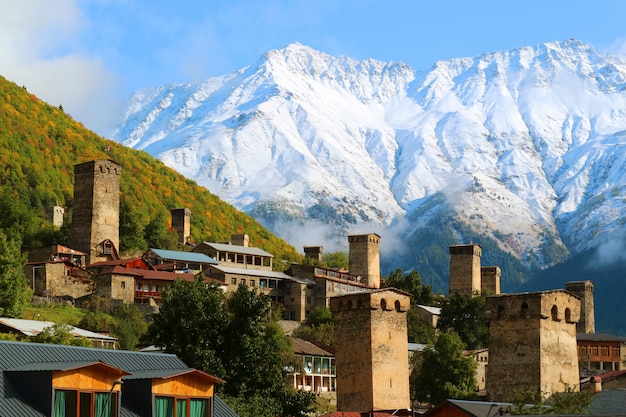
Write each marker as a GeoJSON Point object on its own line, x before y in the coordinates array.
{"type": "Point", "coordinates": [542, 342]}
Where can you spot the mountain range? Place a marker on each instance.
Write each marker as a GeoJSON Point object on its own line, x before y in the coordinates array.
{"type": "Point", "coordinates": [522, 151]}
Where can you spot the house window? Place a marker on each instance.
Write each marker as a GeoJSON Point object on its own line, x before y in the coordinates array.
{"type": "Point", "coordinates": [243, 282]}
{"type": "Point", "coordinates": [181, 406]}
{"type": "Point", "coordinates": [252, 284]}
{"type": "Point", "coordinates": [123, 284]}
{"type": "Point", "coordinates": [69, 403]}
{"type": "Point", "coordinates": [233, 281]}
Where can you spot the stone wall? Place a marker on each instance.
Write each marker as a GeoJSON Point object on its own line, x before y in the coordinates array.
{"type": "Point", "coordinates": [584, 291]}
{"type": "Point", "coordinates": [532, 343]}
{"type": "Point", "coordinates": [95, 213]}
{"type": "Point", "coordinates": [364, 257]}
{"type": "Point", "coordinates": [371, 350]}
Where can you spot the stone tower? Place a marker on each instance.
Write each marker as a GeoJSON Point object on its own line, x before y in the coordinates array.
{"type": "Point", "coordinates": [584, 291]}
{"type": "Point", "coordinates": [96, 210]}
{"type": "Point", "coordinates": [314, 252]}
{"type": "Point", "coordinates": [364, 258]}
{"type": "Point", "coordinates": [55, 215]}
{"type": "Point", "coordinates": [465, 274]}
{"type": "Point", "coordinates": [181, 223]}
{"type": "Point", "coordinates": [532, 344]}
{"type": "Point", "coordinates": [371, 355]}
{"type": "Point", "coordinates": [490, 279]}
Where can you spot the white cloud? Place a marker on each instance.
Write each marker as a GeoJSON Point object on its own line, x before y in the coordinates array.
{"type": "Point", "coordinates": [37, 44]}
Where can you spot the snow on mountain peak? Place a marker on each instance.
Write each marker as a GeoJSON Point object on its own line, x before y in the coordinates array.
{"type": "Point", "coordinates": [531, 140]}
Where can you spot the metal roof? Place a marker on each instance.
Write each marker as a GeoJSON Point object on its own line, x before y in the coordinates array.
{"type": "Point", "coordinates": [253, 272]}
{"type": "Point", "coordinates": [177, 255]}
{"type": "Point", "coordinates": [20, 356]}
{"type": "Point", "coordinates": [432, 310]}
{"type": "Point", "coordinates": [245, 250]}
{"type": "Point", "coordinates": [34, 327]}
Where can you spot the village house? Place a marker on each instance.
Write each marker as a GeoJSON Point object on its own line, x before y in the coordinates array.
{"type": "Point", "coordinates": [73, 381]}
{"type": "Point", "coordinates": [178, 261]}
{"type": "Point", "coordinates": [318, 368]}
{"type": "Point", "coordinates": [30, 328]}
{"type": "Point", "coordinates": [58, 271]}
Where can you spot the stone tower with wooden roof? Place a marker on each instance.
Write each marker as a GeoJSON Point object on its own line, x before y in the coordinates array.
{"type": "Point", "coordinates": [96, 209]}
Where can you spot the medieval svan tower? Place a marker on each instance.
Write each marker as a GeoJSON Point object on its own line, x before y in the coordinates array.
{"type": "Point", "coordinates": [364, 258]}
{"type": "Point", "coordinates": [95, 213]}
{"type": "Point", "coordinates": [532, 343]}
{"type": "Point", "coordinates": [371, 356]}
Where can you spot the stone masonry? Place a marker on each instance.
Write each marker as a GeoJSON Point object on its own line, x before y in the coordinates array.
{"type": "Point", "coordinates": [364, 258]}
{"type": "Point", "coordinates": [371, 355]}
{"type": "Point", "coordinates": [584, 291]}
{"type": "Point", "coordinates": [532, 343]}
{"type": "Point", "coordinates": [95, 214]}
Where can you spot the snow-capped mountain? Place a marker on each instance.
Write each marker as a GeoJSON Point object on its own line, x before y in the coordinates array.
{"type": "Point", "coordinates": [527, 146]}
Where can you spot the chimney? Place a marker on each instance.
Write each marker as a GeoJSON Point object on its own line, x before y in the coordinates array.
{"type": "Point", "coordinates": [240, 240]}
{"type": "Point", "coordinates": [314, 252]}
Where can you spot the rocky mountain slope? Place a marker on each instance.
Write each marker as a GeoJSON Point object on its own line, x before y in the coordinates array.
{"type": "Point", "coordinates": [522, 149]}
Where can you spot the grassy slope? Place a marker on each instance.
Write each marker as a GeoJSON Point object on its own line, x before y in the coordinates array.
{"type": "Point", "coordinates": [40, 144]}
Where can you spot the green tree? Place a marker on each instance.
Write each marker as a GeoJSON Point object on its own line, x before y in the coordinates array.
{"type": "Point", "coordinates": [442, 371]}
{"type": "Point", "coordinates": [567, 402]}
{"type": "Point", "coordinates": [157, 235]}
{"type": "Point", "coordinates": [421, 294]}
{"type": "Point", "coordinates": [234, 338]}
{"type": "Point", "coordinates": [419, 331]}
{"type": "Point", "coordinates": [319, 328]}
{"type": "Point", "coordinates": [130, 325]}
{"type": "Point", "coordinates": [337, 259]}
{"type": "Point", "coordinates": [131, 232]}
{"type": "Point", "coordinates": [465, 315]}
{"type": "Point", "coordinates": [14, 290]}
{"type": "Point", "coordinates": [61, 334]}
{"type": "Point", "coordinates": [191, 323]}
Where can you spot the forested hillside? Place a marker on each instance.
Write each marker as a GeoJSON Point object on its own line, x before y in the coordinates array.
{"type": "Point", "coordinates": [40, 144]}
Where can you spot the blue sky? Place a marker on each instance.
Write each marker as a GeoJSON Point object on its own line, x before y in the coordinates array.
{"type": "Point", "coordinates": [89, 54]}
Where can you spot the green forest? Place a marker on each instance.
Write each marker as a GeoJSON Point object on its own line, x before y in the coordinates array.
{"type": "Point", "coordinates": [39, 146]}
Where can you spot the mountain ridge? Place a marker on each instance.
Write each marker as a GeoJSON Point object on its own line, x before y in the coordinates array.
{"type": "Point", "coordinates": [526, 145]}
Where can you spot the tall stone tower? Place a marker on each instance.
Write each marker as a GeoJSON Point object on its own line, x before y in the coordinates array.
{"type": "Point", "coordinates": [584, 291]}
{"type": "Point", "coordinates": [532, 344]}
{"type": "Point", "coordinates": [364, 257]}
{"type": "Point", "coordinates": [96, 210]}
{"type": "Point", "coordinates": [490, 279]}
{"type": "Point", "coordinates": [181, 223]}
{"type": "Point", "coordinates": [371, 355]}
{"type": "Point", "coordinates": [465, 274]}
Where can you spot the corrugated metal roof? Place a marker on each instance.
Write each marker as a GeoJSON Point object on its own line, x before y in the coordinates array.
{"type": "Point", "coordinates": [245, 250]}
{"type": "Point", "coordinates": [53, 366]}
{"type": "Point", "coordinates": [432, 310]}
{"type": "Point", "coordinates": [177, 255]}
{"type": "Point", "coordinates": [221, 409]}
{"type": "Point", "coordinates": [16, 355]}
{"type": "Point", "coordinates": [34, 327]}
{"type": "Point", "coordinates": [253, 272]}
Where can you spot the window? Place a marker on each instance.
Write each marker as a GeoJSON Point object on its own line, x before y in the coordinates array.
{"type": "Point", "coordinates": [123, 284]}
{"type": "Point", "coordinates": [233, 281]}
{"type": "Point", "coordinates": [69, 403]}
{"type": "Point", "coordinates": [181, 407]}
{"type": "Point", "coordinates": [252, 284]}
{"type": "Point", "coordinates": [243, 282]}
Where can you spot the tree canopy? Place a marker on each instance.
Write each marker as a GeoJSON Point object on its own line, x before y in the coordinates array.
{"type": "Point", "coordinates": [234, 338]}
{"type": "Point", "coordinates": [442, 371]}
{"type": "Point", "coordinates": [465, 315]}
